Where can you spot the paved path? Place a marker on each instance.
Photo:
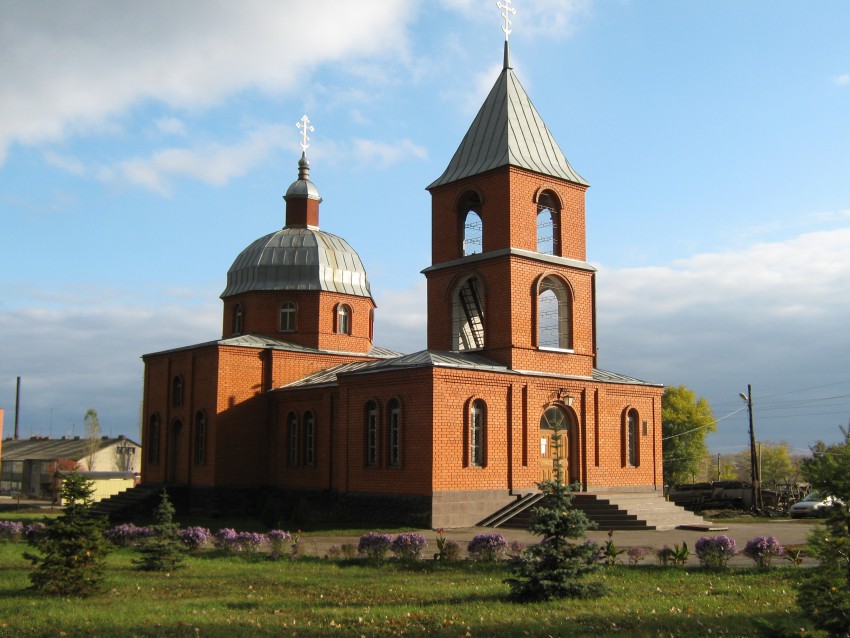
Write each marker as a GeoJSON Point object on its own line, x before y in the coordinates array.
{"type": "Point", "coordinates": [788, 532]}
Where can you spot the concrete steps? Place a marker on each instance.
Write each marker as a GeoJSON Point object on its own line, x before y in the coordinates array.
{"type": "Point", "coordinates": [614, 511]}
{"type": "Point", "coordinates": [124, 504]}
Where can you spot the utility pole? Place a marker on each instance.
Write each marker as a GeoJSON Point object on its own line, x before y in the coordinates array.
{"type": "Point", "coordinates": [755, 470]}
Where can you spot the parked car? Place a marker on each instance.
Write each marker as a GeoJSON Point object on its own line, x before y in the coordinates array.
{"type": "Point", "coordinates": [813, 505]}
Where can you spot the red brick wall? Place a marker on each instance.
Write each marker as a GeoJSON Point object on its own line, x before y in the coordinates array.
{"type": "Point", "coordinates": [316, 323]}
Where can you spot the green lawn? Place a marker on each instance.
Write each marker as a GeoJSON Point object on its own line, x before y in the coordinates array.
{"type": "Point", "coordinates": [240, 595]}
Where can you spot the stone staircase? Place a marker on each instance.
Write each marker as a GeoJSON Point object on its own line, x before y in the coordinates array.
{"type": "Point", "coordinates": [124, 504]}
{"type": "Point", "coordinates": [609, 510]}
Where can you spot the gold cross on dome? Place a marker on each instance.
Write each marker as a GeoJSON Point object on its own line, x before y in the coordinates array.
{"type": "Point", "coordinates": [507, 12]}
{"type": "Point", "coordinates": [305, 127]}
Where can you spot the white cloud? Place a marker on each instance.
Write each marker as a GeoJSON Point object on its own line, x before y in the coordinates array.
{"type": "Point", "coordinates": [69, 164]}
{"type": "Point", "coordinates": [70, 65]}
{"type": "Point", "coordinates": [213, 164]}
{"type": "Point", "coordinates": [170, 126]}
{"type": "Point", "coordinates": [382, 154]}
{"type": "Point", "coordinates": [770, 314]}
{"type": "Point", "coordinates": [841, 80]}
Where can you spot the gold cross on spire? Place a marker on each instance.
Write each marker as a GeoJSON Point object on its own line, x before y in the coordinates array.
{"type": "Point", "coordinates": [507, 12]}
{"type": "Point", "coordinates": [305, 127]}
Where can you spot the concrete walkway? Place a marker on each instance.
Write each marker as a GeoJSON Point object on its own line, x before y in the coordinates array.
{"type": "Point", "coordinates": [788, 532]}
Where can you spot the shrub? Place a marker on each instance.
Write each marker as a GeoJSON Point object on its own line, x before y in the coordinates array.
{"type": "Point", "coordinates": [249, 542]}
{"type": "Point", "coordinates": [127, 534]}
{"type": "Point", "coordinates": [348, 551]}
{"type": "Point", "coordinates": [11, 530]}
{"type": "Point", "coordinates": [762, 549]}
{"type": "Point", "coordinates": [715, 551]}
{"type": "Point", "coordinates": [487, 547]}
{"type": "Point", "coordinates": [162, 551]}
{"type": "Point", "coordinates": [677, 556]}
{"type": "Point", "coordinates": [225, 539]}
{"type": "Point", "coordinates": [277, 538]}
{"type": "Point", "coordinates": [194, 537]}
{"type": "Point", "coordinates": [610, 553]}
{"type": "Point", "coordinates": [375, 546]}
{"type": "Point", "coordinates": [408, 546]}
{"type": "Point", "coordinates": [34, 531]}
{"type": "Point", "coordinates": [636, 554]}
{"type": "Point", "coordinates": [333, 553]}
{"type": "Point", "coordinates": [70, 548]}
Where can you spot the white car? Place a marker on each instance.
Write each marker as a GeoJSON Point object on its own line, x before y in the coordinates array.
{"type": "Point", "coordinates": [812, 505]}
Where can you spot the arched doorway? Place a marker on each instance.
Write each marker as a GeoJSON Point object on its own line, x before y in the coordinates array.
{"type": "Point", "coordinates": [174, 446]}
{"type": "Point", "coordinates": [558, 419]}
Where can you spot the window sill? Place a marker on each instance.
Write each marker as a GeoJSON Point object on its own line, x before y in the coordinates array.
{"type": "Point", "coordinates": [549, 349]}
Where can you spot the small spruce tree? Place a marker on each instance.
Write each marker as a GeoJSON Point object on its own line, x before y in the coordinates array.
{"type": "Point", "coordinates": [71, 550]}
{"type": "Point", "coordinates": [554, 567]}
{"type": "Point", "coordinates": [162, 551]}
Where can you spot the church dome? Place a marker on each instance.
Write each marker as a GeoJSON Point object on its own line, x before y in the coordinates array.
{"type": "Point", "coordinates": [298, 258]}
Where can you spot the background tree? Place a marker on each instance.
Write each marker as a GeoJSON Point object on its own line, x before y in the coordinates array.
{"type": "Point", "coordinates": [72, 549]}
{"type": "Point", "coordinates": [825, 595]}
{"type": "Point", "coordinates": [92, 436]}
{"type": "Point", "coordinates": [686, 420]}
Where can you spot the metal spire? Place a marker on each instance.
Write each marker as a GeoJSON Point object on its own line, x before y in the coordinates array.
{"type": "Point", "coordinates": [507, 12]}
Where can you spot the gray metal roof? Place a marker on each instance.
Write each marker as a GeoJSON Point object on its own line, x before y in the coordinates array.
{"type": "Point", "coordinates": [298, 258]}
{"type": "Point", "coordinates": [42, 449]}
{"type": "Point", "coordinates": [508, 130]}
{"type": "Point", "coordinates": [259, 341]}
{"type": "Point", "coordinates": [303, 187]}
{"type": "Point", "coordinates": [443, 359]}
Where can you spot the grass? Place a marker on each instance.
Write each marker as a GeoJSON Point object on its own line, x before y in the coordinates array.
{"type": "Point", "coordinates": [236, 595]}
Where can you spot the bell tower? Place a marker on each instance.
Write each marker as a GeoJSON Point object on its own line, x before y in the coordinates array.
{"type": "Point", "coordinates": [509, 278]}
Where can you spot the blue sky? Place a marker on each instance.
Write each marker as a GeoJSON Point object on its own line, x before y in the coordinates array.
{"type": "Point", "coordinates": [143, 146]}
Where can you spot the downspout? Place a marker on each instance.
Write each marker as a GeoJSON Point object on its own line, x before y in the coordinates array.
{"type": "Point", "coordinates": [593, 326]}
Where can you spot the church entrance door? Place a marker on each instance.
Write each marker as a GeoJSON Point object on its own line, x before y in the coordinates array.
{"type": "Point", "coordinates": [558, 420]}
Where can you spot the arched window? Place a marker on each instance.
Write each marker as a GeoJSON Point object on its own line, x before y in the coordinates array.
{"type": "Point", "coordinates": [309, 439]}
{"type": "Point", "coordinates": [288, 316]}
{"type": "Point", "coordinates": [292, 437]}
{"type": "Point", "coordinates": [630, 438]}
{"type": "Point", "coordinates": [548, 224]}
{"type": "Point", "coordinates": [237, 319]}
{"type": "Point", "coordinates": [343, 319]}
{"type": "Point", "coordinates": [477, 433]}
{"type": "Point", "coordinates": [471, 226]}
{"type": "Point", "coordinates": [467, 316]}
{"type": "Point", "coordinates": [553, 315]}
{"type": "Point", "coordinates": [153, 440]}
{"type": "Point", "coordinates": [177, 391]}
{"type": "Point", "coordinates": [371, 434]}
{"type": "Point", "coordinates": [200, 438]}
{"type": "Point", "coordinates": [394, 413]}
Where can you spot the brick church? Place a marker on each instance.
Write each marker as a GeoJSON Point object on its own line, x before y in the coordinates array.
{"type": "Point", "coordinates": [296, 400]}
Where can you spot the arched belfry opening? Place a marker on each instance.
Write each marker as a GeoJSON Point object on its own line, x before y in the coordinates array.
{"type": "Point", "coordinates": [468, 315]}
{"type": "Point", "coordinates": [471, 224]}
{"type": "Point", "coordinates": [548, 224]}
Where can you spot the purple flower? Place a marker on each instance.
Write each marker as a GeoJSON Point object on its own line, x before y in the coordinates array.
{"type": "Point", "coordinates": [408, 546]}
{"type": "Point", "coordinates": [249, 541]}
{"type": "Point", "coordinates": [715, 551]}
{"type": "Point", "coordinates": [762, 549]}
{"type": "Point", "coordinates": [487, 547]}
{"type": "Point", "coordinates": [194, 537]}
{"type": "Point", "coordinates": [225, 539]}
{"type": "Point", "coordinates": [127, 534]}
{"type": "Point", "coordinates": [11, 530]}
{"type": "Point", "coordinates": [375, 546]}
